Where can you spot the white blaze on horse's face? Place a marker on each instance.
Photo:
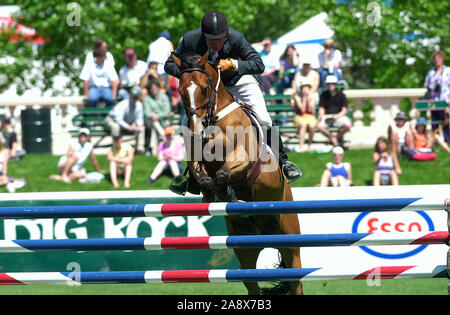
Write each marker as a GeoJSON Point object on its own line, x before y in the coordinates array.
{"type": "Point", "coordinates": [198, 126]}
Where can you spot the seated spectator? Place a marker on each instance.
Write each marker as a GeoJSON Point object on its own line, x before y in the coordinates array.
{"type": "Point", "coordinates": [400, 133]}
{"type": "Point", "coordinates": [338, 173]}
{"type": "Point", "coordinates": [120, 158]}
{"type": "Point", "coordinates": [100, 80]}
{"type": "Point", "coordinates": [170, 156]}
{"type": "Point", "coordinates": [289, 62]}
{"type": "Point", "coordinates": [310, 75]}
{"type": "Point", "coordinates": [175, 96]}
{"type": "Point", "coordinates": [437, 83]}
{"type": "Point", "coordinates": [333, 112]}
{"type": "Point", "coordinates": [424, 140]}
{"type": "Point", "coordinates": [329, 62]}
{"type": "Point", "coordinates": [386, 164]}
{"type": "Point", "coordinates": [9, 138]}
{"type": "Point", "coordinates": [70, 166]}
{"type": "Point", "coordinates": [304, 106]}
{"type": "Point", "coordinates": [100, 44]}
{"type": "Point", "coordinates": [264, 48]}
{"type": "Point", "coordinates": [4, 157]}
{"type": "Point", "coordinates": [131, 73]}
{"type": "Point", "coordinates": [127, 115]}
{"type": "Point", "coordinates": [152, 73]}
{"type": "Point", "coordinates": [159, 51]}
{"type": "Point", "coordinates": [156, 112]}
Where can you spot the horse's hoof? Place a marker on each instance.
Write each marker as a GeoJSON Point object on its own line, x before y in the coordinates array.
{"type": "Point", "coordinates": [222, 178]}
{"type": "Point", "coordinates": [206, 184]}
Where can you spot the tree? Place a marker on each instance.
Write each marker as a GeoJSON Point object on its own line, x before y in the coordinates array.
{"type": "Point", "coordinates": [71, 29]}
{"type": "Point", "coordinates": [377, 51]}
{"type": "Point", "coordinates": [379, 37]}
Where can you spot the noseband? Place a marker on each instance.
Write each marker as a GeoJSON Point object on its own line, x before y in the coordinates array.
{"type": "Point", "coordinates": [211, 102]}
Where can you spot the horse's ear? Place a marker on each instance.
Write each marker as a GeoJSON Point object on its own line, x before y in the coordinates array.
{"type": "Point", "coordinates": [203, 60]}
{"type": "Point", "coordinates": [176, 60]}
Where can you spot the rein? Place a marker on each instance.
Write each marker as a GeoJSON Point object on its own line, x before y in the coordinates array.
{"type": "Point", "coordinates": [212, 98]}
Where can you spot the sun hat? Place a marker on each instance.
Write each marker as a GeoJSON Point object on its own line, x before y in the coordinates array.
{"type": "Point", "coordinates": [401, 115]}
{"type": "Point", "coordinates": [421, 121]}
{"type": "Point", "coordinates": [85, 131]}
{"type": "Point", "coordinates": [338, 150]}
{"type": "Point", "coordinates": [331, 79]}
{"type": "Point", "coordinates": [169, 130]}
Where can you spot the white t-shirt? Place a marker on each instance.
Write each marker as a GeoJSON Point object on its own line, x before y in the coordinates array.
{"type": "Point", "coordinates": [2, 159]}
{"type": "Point", "coordinates": [109, 58]}
{"type": "Point", "coordinates": [335, 56]}
{"type": "Point", "coordinates": [129, 76]}
{"type": "Point", "coordinates": [98, 75]}
{"type": "Point", "coordinates": [82, 152]}
{"type": "Point", "coordinates": [159, 51]}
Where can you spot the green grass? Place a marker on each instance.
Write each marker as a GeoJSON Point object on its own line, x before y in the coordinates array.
{"type": "Point", "coordinates": [37, 168]}
{"type": "Point", "coordinates": [343, 287]}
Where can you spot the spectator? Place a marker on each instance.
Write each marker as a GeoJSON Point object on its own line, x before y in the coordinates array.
{"type": "Point", "coordinates": [127, 115]}
{"type": "Point", "coordinates": [170, 156]}
{"type": "Point", "coordinates": [100, 80]}
{"type": "Point", "coordinates": [264, 50]}
{"type": "Point", "coordinates": [305, 108]}
{"type": "Point", "coordinates": [4, 157]}
{"type": "Point", "coordinates": [437, 83]}
{"type": "Point", "coordinates": [152, 73]}
{"type": "Point", "coordinates": [310, 75]}
{"type": "Point", "coordinates": [131, 73]}
{"type": "Point", "coordinates": [175, 96]}
{"type": "Point", "coordinates": [102, 45]}
{"type": "Point", "coordinates": [156, 112]}
{"type": "Point", "coordinates": [329, 62]}
{"type": "Point", "coordinates": [333, 111]}
{"type": "Point", "coordinates": [386, 164]}
{"type": "Point", "coordinates": [120, 158]}
{"type": "Point", "coordinates": [70, 166]}
{"type": "Point", "coordinates": [401, 133]}
{"type": "Point", "coordinates": [159, 51]}
{"type": "Point", "coordinates": [289, 62]}
{"type": "Point", "coordinates": [9, 138]}
{"type": "Point", "coordinates": [338, 173]}
{"type": "Point", "coordinates": [424, 140]}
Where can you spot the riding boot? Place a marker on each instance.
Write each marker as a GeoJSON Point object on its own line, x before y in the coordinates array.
{"type": "Point", "coordinates": [181, 184]}
{"type": "Point", "coordinates": [290, 171]}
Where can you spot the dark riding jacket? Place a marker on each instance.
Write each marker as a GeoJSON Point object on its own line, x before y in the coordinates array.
{"type": "Point", "coordinates": [235, 47]}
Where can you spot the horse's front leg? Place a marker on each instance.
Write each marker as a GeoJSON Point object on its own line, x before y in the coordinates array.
{"type": "Point", "coordinates": [224, 191]}
{"type": "Point", "coordinates": [206, 185]}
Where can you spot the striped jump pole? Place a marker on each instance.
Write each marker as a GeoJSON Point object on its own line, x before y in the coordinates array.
{"type": "Point", "coordinates": [223, 208]}
{"type": "Point", "coordinates": [224, 275]}
{"type": "Point", "coordinates": [221, 242]}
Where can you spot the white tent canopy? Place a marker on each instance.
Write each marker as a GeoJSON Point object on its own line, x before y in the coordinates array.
{"type": "Point", "coordinates": [307, 39]}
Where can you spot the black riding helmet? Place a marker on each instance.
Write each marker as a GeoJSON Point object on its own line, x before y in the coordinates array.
{"type": "Point", "coordinates": [214, 25]}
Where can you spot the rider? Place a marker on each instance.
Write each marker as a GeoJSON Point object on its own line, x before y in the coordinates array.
{"type": "Point", "coordinates": [241, 66]}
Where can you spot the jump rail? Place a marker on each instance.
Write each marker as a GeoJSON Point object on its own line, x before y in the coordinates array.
{"type": "Point", "coordinates": [223, 275]}
{"type": "Point", "coordinates": [223, 208]}
{"type": "Point", "coordinates": [220, 242]}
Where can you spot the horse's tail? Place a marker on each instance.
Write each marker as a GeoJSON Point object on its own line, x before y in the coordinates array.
{"type": "Point", "coordinates": [279, 287]}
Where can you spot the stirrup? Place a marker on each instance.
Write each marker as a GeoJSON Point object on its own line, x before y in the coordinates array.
{"type": "Point", "coordinates": [297, 169]}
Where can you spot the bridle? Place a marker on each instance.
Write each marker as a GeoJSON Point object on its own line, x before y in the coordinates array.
{"type": "Point", "coordinates": [211, 102]}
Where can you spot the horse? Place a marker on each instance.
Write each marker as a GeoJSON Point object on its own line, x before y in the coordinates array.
{"type": "Point", "coordinates": [246, 172]}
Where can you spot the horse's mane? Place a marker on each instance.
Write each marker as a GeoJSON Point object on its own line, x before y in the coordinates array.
{"type": "Point", "coordinates": [189, 60]}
